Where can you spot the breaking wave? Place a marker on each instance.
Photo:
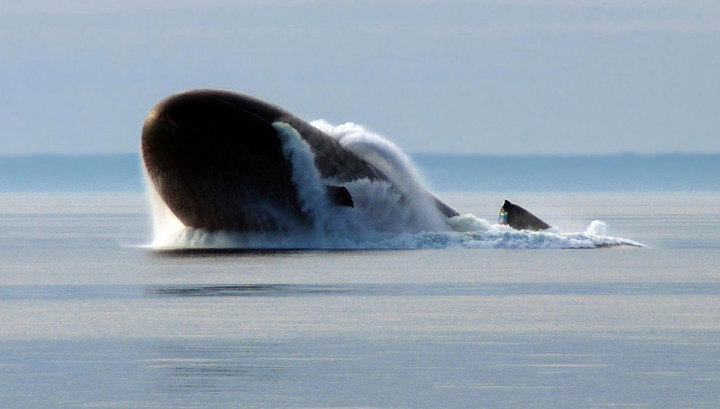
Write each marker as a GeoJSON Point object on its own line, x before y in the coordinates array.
{"type": "Point", "coordinates": [398, 214]}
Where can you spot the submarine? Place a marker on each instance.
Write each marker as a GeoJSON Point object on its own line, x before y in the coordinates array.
{"type": "Point", "coordinates": [216, 160]}
{"type": "Point", "coordinates": [520, 218]}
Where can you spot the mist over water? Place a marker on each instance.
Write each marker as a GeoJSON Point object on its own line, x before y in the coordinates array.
{"type": "Point", "coordinates": [393, 214]}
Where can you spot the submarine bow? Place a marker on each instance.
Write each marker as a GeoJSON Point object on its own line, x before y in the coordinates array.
{"type": "Point", "coordinates": [216, 159]}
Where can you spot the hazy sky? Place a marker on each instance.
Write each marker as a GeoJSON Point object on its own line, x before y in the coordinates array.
{"type": "Point", "coordinates": [498, 77]}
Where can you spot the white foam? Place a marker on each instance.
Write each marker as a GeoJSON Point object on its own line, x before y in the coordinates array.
{"type": "Point", "coordinates": [597, 228]}
{"type": "Point", "coordinates": [305, 176]}
{"type": "Point", "coordinates": [166, 226]}
{"type": "Point", "coordinates": [395, 165]}
{"type": "Point", "coordinates": [394, 214]}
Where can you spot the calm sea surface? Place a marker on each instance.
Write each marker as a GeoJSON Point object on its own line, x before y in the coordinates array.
{"type": "Point", "coordinates": [90, 317]}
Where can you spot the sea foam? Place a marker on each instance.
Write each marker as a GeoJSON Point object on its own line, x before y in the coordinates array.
{"type": "Point", "coordinates": [394, 214]}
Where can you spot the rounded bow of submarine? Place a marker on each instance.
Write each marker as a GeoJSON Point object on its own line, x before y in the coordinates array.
{"type": "Point", "coordinates": [208, 124]}
{"type": "Point", "coordinates": [216, 160]}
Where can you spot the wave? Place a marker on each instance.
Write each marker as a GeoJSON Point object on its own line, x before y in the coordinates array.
{"type": "Point", "coordinates": [394, 214]}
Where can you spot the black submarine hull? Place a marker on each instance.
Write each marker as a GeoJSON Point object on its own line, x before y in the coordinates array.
{"type": "Point", "coordinates": [216, 160]}
{"type": "Point", "coordinates": [519, 218]}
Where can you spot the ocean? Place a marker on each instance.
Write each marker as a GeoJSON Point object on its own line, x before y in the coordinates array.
{"type": "Point", "coordinates": [463, 173]}
{"type": "Point", "coordinates": [94, 316]}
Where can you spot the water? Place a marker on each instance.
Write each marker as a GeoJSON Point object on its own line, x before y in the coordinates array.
{"type": "Point", "coordinates": [474, 173]}
{"type": "Point", "coordinates": [93, 317]}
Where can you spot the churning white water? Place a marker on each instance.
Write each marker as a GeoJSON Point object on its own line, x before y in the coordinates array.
{"type": "Point", "coordinates": [393, 214]}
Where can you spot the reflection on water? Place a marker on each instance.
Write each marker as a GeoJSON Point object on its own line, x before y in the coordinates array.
{"type": "Point", "coordinates": [129, 292]}
{"type": "Point", "coordinates": [435, 289]}
{"type": "Point", "coordinates": [249, 290]}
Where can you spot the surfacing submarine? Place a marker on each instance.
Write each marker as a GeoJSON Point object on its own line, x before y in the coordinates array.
{"type": "Point", "coordinates": [216, 160]}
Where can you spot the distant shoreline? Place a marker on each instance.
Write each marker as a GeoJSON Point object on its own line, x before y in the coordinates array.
{"type": "Point", "coordinates": [628, 172]}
